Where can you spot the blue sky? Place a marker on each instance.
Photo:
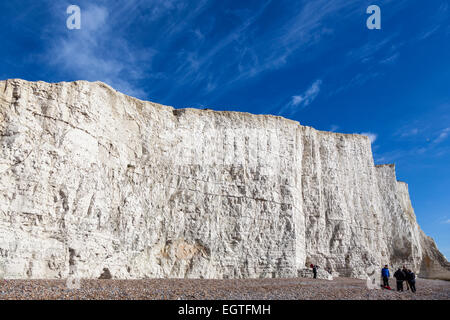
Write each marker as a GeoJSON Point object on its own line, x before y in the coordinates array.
{"type": "Point", "coordinates": [312, 61]}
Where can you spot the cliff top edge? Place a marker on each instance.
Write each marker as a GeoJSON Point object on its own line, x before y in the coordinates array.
{"type": "Point", "coordinates": [181, 110]}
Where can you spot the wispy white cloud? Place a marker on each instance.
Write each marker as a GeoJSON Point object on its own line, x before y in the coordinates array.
{"type": "Point", "coordinates": [254, 55]}
{"type": "Point", "coordinates": [300, 101]}
{"type": "Point", "coordinates": [334, 128]}
{"type": "Point", "coordinates": [369, 58]}
{"type": "Point", "coordinates": [429, 151]}
{"type": "Point", "coordinates": [372, 136]}
{"type": "Point", "coordinates": [198, 58]}
{"type": "Point", "coordinates": [308, 96]}
{"type": "Point", "coordinates": [114, 58]}
{"type": "Point", "coordinates": [367, 52]}
{"type": "Point", "coordinates": [357, 81]}
{"type": "Point", "coordinates": [443, 135]}
{"type": "Point", "coordinates": [103, 49]}
{"type": "Point", "coordinates": [409, 132]}
{"type": "Point", "coordinates": [158, 9]}
{"type": "Point", "coordinates": [99, 52]}
{"type": "Point", "coordinates": [391, 59]}
{"type": "Point", "coordinates": [214, 61]}
{"type": "Point", "coordinates": [384, 52]}
{"type": "Point", "coordinates": [438, 20]}
{"type": "Point", "coordinates": [428, 33]}
{"type": "Point", "coordinates": [446, 221]}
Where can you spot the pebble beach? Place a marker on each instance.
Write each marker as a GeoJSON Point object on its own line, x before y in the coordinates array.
{"type": "Point", "coordinates": [200, 289]}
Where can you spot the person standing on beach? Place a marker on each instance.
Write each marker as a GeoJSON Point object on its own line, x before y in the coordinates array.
{"type": "Point", "coordinates": [385, 274]}
{"type": "Point", "coordinates": [400, 276]}
{"type": "Point", "coordinates": [411, 280]}
{"type": "Point", "coordinates": [314, 269]}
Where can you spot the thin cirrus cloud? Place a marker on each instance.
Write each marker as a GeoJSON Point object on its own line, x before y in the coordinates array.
{"type": "Point", "coordinates": [97, 52]}
{"type": "Point", "coordinates": [438, 20]}
{"type": "Point", "coordinates": [334, 128]}
{"type": "Point", "coordinates": [391, 59]}
{"type": "Point", "coordinates": [103, 49]}
{"type": "Point", "coordinates": [301, 29]}
{"type": "Point", "coordinates": [301, 101]}
{"type": "Point", "coordinates": [182, 53]}
{"type": "Point", "coordinates": [409, 132]}
{"type": "Point", "coordinates": [443, 135]}
{"type": "Point", "coordinates": [372, 136]}
{"type": "Point", "coordinates": [308, 96]}
{"type": "Point", "coordinates": [367, 52]}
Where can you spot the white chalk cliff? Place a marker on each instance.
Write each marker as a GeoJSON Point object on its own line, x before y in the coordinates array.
{"type": "Point", "coordinates": [92, 179]}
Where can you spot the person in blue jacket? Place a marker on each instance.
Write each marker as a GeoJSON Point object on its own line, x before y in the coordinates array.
{"type": "Point", "coordinates": [385, 274]}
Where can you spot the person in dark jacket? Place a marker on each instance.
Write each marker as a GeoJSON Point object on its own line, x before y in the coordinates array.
{"type": "Point", "coordinates": [400, 277]}
{"type": "Point", "coordinates": [314, 269]}
{"type": "Point", "coordinates": [411, 279]}
{"type": "Point", "coordinates": [385, 274]}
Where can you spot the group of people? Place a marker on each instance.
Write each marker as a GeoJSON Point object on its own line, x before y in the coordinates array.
{"type": "Point", "coordinates": [401, 275]}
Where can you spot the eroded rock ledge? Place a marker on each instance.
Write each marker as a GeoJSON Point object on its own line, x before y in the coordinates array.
{"type": "Point", "coordinates": [94, 180]}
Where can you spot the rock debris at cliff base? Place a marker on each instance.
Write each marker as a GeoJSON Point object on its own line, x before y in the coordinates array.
{"type": "Point", "coordinates": [94, 180]}
{"type": "Point", "coordinates": [242, 289]}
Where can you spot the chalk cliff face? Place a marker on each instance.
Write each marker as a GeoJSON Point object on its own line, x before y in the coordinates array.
{"type": "Point", "coordinates": [91, 179]}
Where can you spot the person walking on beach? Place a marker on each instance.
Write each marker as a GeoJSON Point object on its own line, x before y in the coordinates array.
{"type": "Point", "coordinates": [385, 274]}
{"type": "Point", "coordinates": [400, 276]}
{"type": "Point", "coordinates": [411, 280]}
